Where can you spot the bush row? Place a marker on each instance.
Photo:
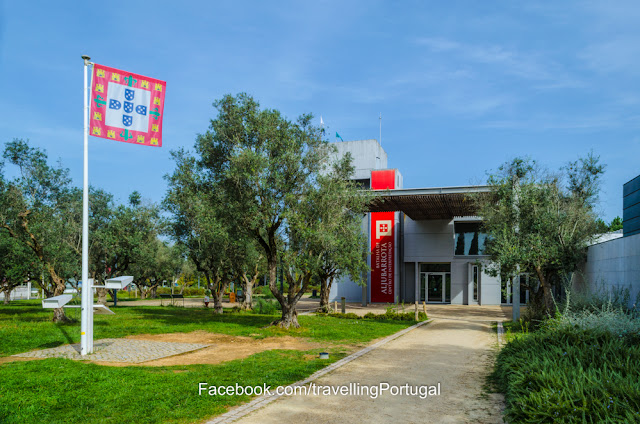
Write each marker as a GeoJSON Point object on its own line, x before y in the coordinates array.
{"type": "Point", "coordinates": [389, 315]}
{"type": "Point", "coordinates": [567, 374]}
{"type": "Point", "coordinates": [188, 291]}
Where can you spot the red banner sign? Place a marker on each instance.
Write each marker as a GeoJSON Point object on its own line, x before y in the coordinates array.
{"type": "Point", "coordinates": [382, 258]}
{"type": "Point", "coordinates": [383, 243]}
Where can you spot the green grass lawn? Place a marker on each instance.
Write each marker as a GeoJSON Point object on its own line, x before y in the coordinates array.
{"type": "Point", "coordinates": [66, 391]}
{"type": "Point", "coordinates": [25, 326]}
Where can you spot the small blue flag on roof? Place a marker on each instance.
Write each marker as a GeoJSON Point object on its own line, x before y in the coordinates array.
{"type": "Point", "coordinates": [338, 136]}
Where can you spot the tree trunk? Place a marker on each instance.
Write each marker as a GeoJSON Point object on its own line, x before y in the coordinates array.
{"type": "Point", "coordinates": [102, 296]}
{"type": "Point", "coordinates": [289, 317]}
{"type": "Point", "coordinates": [325, 289]}
{"type": "Point", "coordinates": [289, 314]}
{"type": "Point", "coordinates": [143, 293]}
{"type": "Point", "coordinates": [247, 289]}
{"type": "Point", "coordinates": [217, 302]}
{"type": "Point", "coordinates": [548, 301]}
{"type": "Point", "coordinates": [7, 294]}
{"type": "Point", "coordinates": [217, 292]}
{"type": "Point", "coordinates": [247, 303]}
{"type": "Point", "coordinates": [59, 287]}
{"type": "Point", "coordinates": [59, 316]}
{"type": "Point", "coordinates": [154, 292]}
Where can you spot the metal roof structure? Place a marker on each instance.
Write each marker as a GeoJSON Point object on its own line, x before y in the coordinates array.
{"type": "Point", "coordinates": [429, 203]}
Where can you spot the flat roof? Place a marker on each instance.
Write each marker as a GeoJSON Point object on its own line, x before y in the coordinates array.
{"type": "Point", "coordinates": [429, 203]}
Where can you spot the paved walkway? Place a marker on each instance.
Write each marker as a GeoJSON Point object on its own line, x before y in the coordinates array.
{"type": "Point", "coordinates": [117, 350]}
{"type": "Point", "coordinates": [454, 353]}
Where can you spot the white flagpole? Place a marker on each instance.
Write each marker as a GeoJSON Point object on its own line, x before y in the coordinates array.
{"type": "Point", "coordinates": [86, 336]}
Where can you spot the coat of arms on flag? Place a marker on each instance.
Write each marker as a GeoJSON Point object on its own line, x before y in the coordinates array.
{"type": "Point", "coordinates": [126, 107]}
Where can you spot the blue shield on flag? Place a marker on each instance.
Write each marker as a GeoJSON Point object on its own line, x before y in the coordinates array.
{"type": "Point", "coordinates": [127, 120]}
{"type": "Point", "coordinates": [128, 107]}
{"type": "Point", "coordinates": [128, 94]}
{"type": "Point", "coordinates": [114, 104]}
{"type": "Point", "coordinates": [142, 110]}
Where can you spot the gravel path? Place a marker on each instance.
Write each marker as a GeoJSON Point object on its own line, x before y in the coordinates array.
{"type": "Point", "coordinates": [457, 354]}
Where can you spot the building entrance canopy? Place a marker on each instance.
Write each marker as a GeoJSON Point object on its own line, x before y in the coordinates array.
{"type": "Point", "coordinates": [429, 203]}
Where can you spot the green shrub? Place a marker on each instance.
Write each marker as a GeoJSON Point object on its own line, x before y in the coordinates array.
{"type": "Point", "coordinates": [599, 299]}
{"type": "Point", "coordinates": [263, 291]}
{"type": "Point", "coordinates": [613, 320]}
{"type": "Point", "coordinates": [266, 307]}
{"type": "Point", "coordinates": [387, 316]}
{"type": "Point", "coordinates": [187, 292]}
{"type": "Point", "coordinates": [565, 373]}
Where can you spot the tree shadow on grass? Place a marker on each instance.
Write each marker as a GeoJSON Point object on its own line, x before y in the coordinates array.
{"type": "Point", "coordinates": [64, 330]}
{"type": "Point", "coordinates": [25, 313]}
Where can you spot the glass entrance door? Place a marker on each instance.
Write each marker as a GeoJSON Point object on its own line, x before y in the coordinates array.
{"type": "Point", "coordinates": [435, 287]}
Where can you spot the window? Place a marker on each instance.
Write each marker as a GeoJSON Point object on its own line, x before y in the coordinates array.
{"type": "Point", "coordinates": [475, 276]}
{"type": "Point", "coordinates": [527, 283]}
{"type": "Point", "coordinates": [468, 239]}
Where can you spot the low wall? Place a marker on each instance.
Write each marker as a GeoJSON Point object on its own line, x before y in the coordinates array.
{"type": "Point", "coordinates": [613, 265]}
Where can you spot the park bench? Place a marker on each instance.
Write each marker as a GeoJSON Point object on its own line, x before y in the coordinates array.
{"type": "Point", "coordinates": [172, 298]}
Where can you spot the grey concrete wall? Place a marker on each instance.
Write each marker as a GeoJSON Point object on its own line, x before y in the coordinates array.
{"type": "Point", "coordinates": [459, 281]}
{"type": "Point", "coordinates": [409, 282]}
{"type": "Point", "coordinates": [489, 289]}
{"type": "Point", "coordinates": [345, 288]}
{"type": "Point", "coordinates": [367, 155]}
{"type": "Point", "coordinates": [612, 265]}
{"type": "Point", "coordinates": [428, 241]}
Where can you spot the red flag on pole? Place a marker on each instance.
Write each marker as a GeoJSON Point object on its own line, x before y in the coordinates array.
{"type": "Point", "coordinates": [126, 107]}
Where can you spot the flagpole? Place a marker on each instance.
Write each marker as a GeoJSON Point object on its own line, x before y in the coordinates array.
{"type": "Point", "coordinates": [86, 336]}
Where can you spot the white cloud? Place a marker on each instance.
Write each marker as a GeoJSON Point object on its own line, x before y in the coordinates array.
{"type": "Point", "coordinates": [532, 66]}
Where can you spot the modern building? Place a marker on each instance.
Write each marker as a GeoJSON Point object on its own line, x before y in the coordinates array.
{"type": "Point", "coordinates": [426, 243]}
{"type": "Point", "coordinates": [631, 207]}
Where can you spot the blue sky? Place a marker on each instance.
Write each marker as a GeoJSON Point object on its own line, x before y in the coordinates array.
{"type": "Point", "coordinates": [462, 86]}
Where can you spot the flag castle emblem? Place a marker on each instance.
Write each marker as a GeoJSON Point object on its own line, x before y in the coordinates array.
{"type": "Point", "coordinates": [127, 107]}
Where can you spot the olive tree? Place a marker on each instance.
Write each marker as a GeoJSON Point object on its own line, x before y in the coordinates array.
{"type": "Point", "coordinates": [540, 223]}
{"type": "Point", "coordinates": [340, 208]}
{"type": "Point", "coordinates": [40, 209]}
{"type": "Point", "coordinates": [269, 171]}
{"type": "Point", "coordinates": [267, 165]}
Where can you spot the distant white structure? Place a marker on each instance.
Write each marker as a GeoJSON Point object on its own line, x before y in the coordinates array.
{"type": "Point", "coordinates": [22, 292]}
